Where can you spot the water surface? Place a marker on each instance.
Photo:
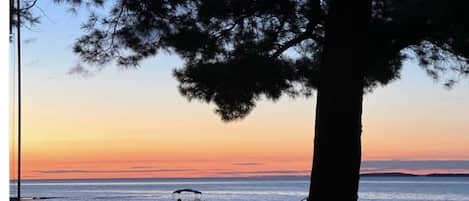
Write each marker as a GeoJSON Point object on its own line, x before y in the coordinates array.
{"type": "Point", "coordinates": [245, 189]}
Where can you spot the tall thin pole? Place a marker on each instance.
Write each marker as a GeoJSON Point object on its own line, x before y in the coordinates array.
{"type": "Point", "coordinates": [18, 41]}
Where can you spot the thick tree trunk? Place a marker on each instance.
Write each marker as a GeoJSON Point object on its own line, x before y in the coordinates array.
{"type": "Point", "coordinates": [337, 142]}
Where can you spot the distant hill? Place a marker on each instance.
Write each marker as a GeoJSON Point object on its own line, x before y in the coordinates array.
{"type": "Point", "coordinates": [388, 174]}
{"type": "Point", "coordinates": [448, 175]}
{"type": "Point", "coordinates": [400, 174]}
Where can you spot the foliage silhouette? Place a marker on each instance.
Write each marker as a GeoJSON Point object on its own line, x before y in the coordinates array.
{"type": "Point", "coordinates": [248, 40]}
{"type": "Point", "coordinates": [237, 51]}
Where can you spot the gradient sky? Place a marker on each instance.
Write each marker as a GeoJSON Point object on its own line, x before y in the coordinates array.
{"type": "Point", "coordinates": [134, 123]}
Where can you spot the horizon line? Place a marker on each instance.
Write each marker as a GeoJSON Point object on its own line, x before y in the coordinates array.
{"type": "Point", "coordinates": [384, 174]}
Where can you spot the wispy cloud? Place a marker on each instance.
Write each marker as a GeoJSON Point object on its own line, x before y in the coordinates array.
{"type": "Point", "coordinates": [367, 166]}
{"type": "Point", "coordinates": [29, 40]}
{"type": "Point", "coordinates": [78, 69]}
{"type": "Point", "coordinates": [61, 171]}
{"type": "Point", "coordinates": [67, 171]}
{"type": "Point", "coordinates": [265, 172]}
{"type": "Point", "coordinates": [120, 161]}
{"type": "Point", "coordinates": [247, 163]}
{"type": "Point", "coordinates": [141, 167]}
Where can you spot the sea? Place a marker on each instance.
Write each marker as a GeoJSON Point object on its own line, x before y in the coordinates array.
{"type": "Point", "coordinates": [374, 188]}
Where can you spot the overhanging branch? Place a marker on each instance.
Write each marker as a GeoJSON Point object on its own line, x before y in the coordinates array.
{"type": "Point", "coordinates": [314, 19]}
{"type": "Point", "coordinates": [303, 36]}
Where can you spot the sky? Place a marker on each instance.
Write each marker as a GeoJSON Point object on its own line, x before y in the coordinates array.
{"type": "Point", "coordinates": [122, 123]}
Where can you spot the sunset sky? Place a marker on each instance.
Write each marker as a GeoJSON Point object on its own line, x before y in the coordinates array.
{"type": "Point", "coordinates": [134, 123]}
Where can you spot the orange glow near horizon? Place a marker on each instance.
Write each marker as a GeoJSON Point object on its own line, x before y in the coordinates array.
{"type": "Point", "coordinates": [276, 139]}
{"type": "Point", "coordinates": [135, 123]}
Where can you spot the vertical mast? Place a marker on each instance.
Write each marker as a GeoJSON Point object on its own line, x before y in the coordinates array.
{"type": "Point", "coordinates": [18, 29]}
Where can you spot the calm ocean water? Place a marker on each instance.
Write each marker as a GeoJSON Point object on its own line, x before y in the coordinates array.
{"type": "Point", "coordinates": [259, 189]}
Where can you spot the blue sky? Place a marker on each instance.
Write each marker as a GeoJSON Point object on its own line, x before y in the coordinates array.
{"type": "Point", "coordinates": [412, 119]}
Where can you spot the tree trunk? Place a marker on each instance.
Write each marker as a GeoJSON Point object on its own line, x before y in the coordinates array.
{"type": "Point", "coordinates": [337, 142]}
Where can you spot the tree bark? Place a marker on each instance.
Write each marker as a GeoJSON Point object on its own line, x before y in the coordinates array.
{"type": "Point", "coordinates": [337, 142]}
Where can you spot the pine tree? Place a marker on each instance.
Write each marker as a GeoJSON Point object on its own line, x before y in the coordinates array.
{"type": "Point", "coordinates": [237, 51]}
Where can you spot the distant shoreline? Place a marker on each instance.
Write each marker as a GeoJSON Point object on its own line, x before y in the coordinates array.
{"type": "Point", "coordinates": [400, 174]}
{"type": "Point", "coordinates": [383, 174]}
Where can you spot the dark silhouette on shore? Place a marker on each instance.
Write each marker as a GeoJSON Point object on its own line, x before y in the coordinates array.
{"type": "Point", "coordinates": [238, 51]}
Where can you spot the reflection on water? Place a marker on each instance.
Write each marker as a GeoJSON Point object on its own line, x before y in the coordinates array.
{"type": "Point", "coordinates": [259, 189]}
